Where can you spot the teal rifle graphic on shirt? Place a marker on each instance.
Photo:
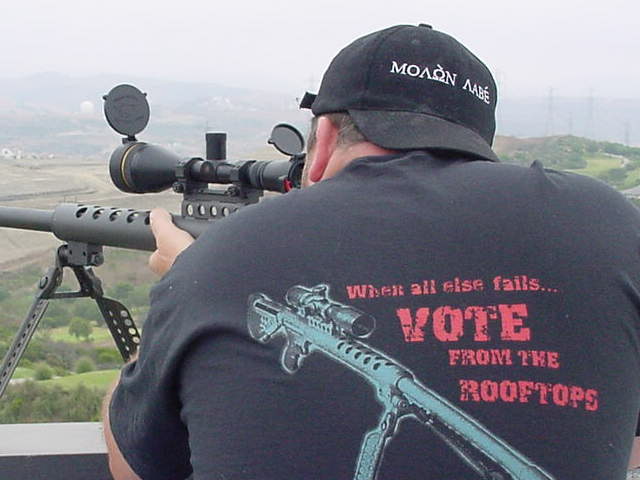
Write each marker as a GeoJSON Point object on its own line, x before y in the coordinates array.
{"type": "Point", "coordinates": [313, 322]}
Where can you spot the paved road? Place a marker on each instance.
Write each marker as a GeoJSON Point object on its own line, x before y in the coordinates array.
{"type": "Point", "coordinates": [632, 192]}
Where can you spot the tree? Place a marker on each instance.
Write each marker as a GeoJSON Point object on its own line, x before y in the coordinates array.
{"type": "Point", "coordinates": [139, 296]}
{"type": "Point", "coordinates": [122, 291]}
{"type": "Point", "coordinates": [30, 402]}
{"type": "Point", "coordinates": [108, 357]}
{"type": "Point", "coordinates": [43, 372]}
{"type": "Point", "coordinates": [84, 365]}
{"type": "Point", "coordinates": [4, 294]}
{"type": "Point", "coordinates": [37, 350]}
{"type": "Point", "coordinates": [88, 309]}
{"type": "Point", "coordinates": [80, 328]}
{"type": "Point", "coordinates": [57, 308]}
{"type": "Point", "coordinates": [57, 314]}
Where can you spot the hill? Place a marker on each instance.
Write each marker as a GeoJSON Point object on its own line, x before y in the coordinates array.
{"type": "Point", "coordinates": [54, 114]}
{"type": "Point", "coordinates": [41, 114]}
{"type": "Point", "coordinates": [614, 163]}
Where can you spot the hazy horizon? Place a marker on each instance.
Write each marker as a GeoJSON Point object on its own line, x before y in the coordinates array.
{"type": "Point", "coordinates": [65, 105]}
{"type": "Point", "coordinates": [551, 90]}
{"type": "Point", "coordinates": [561, 67]}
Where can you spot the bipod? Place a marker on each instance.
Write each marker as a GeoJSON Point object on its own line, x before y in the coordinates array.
{"type": "Point", "coordinates": [80, 257]}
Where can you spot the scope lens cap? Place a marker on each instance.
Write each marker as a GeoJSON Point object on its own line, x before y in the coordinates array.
{"type": "Point", "coordinates": [126, 109]}
{"type": "Point", "coordinates": [287, 139]}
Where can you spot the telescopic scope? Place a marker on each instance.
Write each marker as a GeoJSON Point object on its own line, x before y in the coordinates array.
{"type": "Point", "coordinates": [139, 167]}
{"type": "Point", "coordinates": [316, 301]}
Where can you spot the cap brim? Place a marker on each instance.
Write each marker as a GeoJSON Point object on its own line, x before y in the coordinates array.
{"type": "Point", "coordinates": [415, 131]}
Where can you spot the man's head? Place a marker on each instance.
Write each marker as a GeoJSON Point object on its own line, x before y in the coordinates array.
{"type": "Point", "coordinates": [411, 88]}
{"type": "Point", "coordinates": [334, 140]}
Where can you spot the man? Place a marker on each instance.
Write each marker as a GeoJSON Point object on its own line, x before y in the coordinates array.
{"type": "Point", "coordinates": [419, 311]}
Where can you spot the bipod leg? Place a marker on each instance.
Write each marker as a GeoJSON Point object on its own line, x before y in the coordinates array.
{"type": "Point", "coordinates": [116, 316]}
{"type": "Point", "coordinates": [46, 288]}
{"type": "Point", "coordinates": [373, 445]}
{"type": "Point", "coordinates": [461, 448]}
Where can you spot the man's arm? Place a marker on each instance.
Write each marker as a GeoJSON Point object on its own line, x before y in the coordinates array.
{"type": "Point", "coordinates": [120, 469]}
{"type": "Point", "coordinates": [171, 241]}
{"type": "Point", "coordinates": [634, 460]}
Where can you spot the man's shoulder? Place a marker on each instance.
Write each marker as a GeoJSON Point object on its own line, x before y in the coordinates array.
{"type": "Point", "coordinates": [542, 179]}
{"type": "Point", "coordinates": [253, 229]}
{"type": "Point", "coordinates": [274, 212]}
{"type": "Point", "coordinates": [281, 213]}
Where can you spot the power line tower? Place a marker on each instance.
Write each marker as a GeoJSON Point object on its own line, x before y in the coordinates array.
{"type": "Point", "coordinates": [627, 133]}
{"type": "Point", "coordinates": [570, 123]}
{"type": "Point", "coordinates": [549, 123]}
{"type": "Point", "coordinates": [500, 79]}
{"type": "Point", "coordinates": [590, 114]}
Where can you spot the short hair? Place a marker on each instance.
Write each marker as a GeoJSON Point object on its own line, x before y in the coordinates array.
{"type": "Point", "coordinates": [348, 132]}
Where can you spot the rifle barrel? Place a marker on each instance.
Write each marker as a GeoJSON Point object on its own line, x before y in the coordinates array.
{"type": "Point", "coordinates": [26, 218]}
{"type": "Point", "coordinates": [107, 226]}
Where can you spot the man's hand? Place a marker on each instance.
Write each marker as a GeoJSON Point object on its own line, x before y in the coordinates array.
{"type": "Point", "coordinates": [170, 241]}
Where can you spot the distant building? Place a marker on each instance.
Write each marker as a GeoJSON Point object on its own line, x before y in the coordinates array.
{"type": "Point", "coordinates": [7, 153]}
{"type": "Point", "coordinates": [87, 107]}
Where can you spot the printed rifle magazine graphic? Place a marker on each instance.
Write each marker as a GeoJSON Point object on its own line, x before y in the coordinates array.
{"type": "Point", "coordinates": [312, 321]}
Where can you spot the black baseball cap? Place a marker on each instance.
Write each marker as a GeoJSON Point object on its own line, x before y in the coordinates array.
{"type": "Point", "coordinates": [412, 87]}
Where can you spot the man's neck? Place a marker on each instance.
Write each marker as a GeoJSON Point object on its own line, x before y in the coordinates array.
{"type": "Point", "coordinates": [345, 155]}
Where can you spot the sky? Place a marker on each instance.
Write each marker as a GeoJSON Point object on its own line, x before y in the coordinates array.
{"type": "Point", "coordinates": [577, 48]}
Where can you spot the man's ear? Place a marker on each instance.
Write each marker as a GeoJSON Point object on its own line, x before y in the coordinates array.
{"type": "Point", "coordinates": [326, 142]}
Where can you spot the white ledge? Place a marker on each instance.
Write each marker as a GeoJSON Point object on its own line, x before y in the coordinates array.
{"type": "Point", "coordinates": [28, 439]}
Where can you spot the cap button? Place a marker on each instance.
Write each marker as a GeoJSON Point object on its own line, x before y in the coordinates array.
{"type": "Point", "coordinates": [425, 25]}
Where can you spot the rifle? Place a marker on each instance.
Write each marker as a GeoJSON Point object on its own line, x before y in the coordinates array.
{"type": "Point", "coordinates": [139, 167]}
{"type": "Point", "coordinates": [312, 322]}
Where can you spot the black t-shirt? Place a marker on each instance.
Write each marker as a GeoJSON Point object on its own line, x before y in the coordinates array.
{"type": "Point", "coordinates": [413, 317]}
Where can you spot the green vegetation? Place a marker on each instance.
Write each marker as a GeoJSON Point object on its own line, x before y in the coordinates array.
{"type": "Point", "coordinates": [72, 359]}
{"type": "Point", "coordinates": [100, 380]}
{"type": "Point", "coordinates": [554, 152]}
{"type": "Point", "coordinates": [598, 164]}
{"type": "Point", "coordinates": [99, 335]}
{"type": "Point", "coordinates": [85, 365]}
{"type": "Point", "coordinates": [43, 372]}
{"type": "Point", "coordinates": [107, 357]}
{"type": "Point", "coordinates": [80, 328]}
{"type": "Point", "coordinates": [23, 372]}
{"type": "Point", "coordinates": [31, 402]}
{"type": "Point", "coordinates": [616, 164]}
{"type": "Point", "coordinates": [4, 294]}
